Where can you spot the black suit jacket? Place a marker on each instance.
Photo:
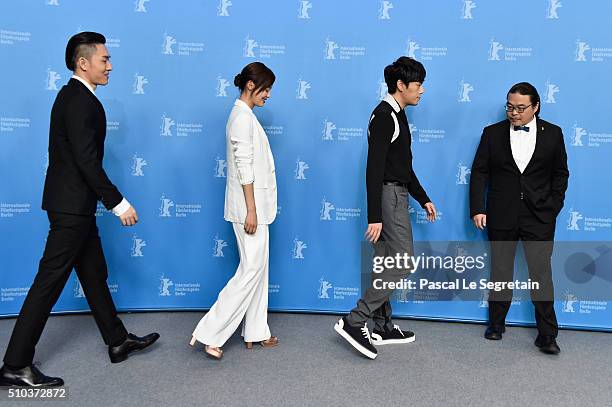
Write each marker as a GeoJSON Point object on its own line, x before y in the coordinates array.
{"type": "Point", "coordinates": [75, 178]}
{"type": "Point", "coordinates": [496, 180]}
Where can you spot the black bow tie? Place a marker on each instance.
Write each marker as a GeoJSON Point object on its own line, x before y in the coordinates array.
{"type": "Point", "coordinates": [524, 128]}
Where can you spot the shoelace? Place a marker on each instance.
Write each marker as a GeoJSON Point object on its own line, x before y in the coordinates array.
{"type": "Point", "coordinates": [366, 332]}
{"type": "Point", "coordinates": [398, 328]}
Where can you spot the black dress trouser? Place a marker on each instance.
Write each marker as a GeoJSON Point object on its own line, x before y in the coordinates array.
{"type": "Point", "coordinates": [73, 243]}
{"type": "Point", "coordinates": [537, 238]}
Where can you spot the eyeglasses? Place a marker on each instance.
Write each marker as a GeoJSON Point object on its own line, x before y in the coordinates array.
{"type": "Point", "coordinates": [510, 108]}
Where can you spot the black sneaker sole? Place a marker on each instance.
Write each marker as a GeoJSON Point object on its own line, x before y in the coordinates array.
{"type": "Point", "coordinates": [339, 328]}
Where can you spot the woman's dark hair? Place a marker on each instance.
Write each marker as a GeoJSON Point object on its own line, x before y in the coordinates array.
{"type": "Point", "coordinates": [405, 69]}
{"type": "Point", "coordinates": [82, 45]}
{"type": "Point", "coordinates": [261, 75]}
{"type": "Point", "coordinates": [527, 89]}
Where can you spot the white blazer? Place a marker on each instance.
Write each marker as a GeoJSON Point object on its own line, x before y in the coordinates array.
{"type": "Point", "coordinates": [249, 160]}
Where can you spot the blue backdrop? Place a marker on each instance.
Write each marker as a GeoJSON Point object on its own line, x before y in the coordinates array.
{"type": "Point", "coordinates": [171, 92]}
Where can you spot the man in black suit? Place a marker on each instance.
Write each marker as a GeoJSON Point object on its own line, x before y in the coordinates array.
{"type": "Point", "coordinates": [75, 182]}
{"type": "Point", "coordinates": [520, 169]}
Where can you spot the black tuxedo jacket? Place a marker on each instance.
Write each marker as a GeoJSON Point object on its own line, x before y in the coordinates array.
{"type": "Point", "coordinates": [75, 178]}
{"type": "Point", "coordinates": [496, 184]}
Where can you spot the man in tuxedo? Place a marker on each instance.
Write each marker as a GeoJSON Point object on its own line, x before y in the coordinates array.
{"type": "Point", "coordinates": [75, 182]}
{"type": "Point", "coordinates": [517, 188]}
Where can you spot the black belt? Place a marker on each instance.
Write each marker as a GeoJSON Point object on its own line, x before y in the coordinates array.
{"type": "Point", "coordinates": [395, 184]}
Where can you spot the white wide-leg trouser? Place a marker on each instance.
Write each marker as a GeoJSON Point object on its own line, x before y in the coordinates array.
{"type": "Point", "coordinates": [245, 296]}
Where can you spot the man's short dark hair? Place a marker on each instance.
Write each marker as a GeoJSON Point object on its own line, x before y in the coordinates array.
{"type": "Point", "coordinates": [527, 89]}
{"type": "Point", "coordinates": [82, 45]}
{"type": "Point", "coordinates": [405, 69]}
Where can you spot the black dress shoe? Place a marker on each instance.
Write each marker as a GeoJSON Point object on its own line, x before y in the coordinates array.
{"type": "Point", "coordinates": [28, 376]}
{"type": "Point", "coordinates": [133, 343]}
{"type": "Point", "coordinates": [494, 333]}
{"type": "Point", "coordinates": [547, 344]}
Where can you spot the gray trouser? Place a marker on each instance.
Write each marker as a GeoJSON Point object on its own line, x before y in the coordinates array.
{"type": "Point", "coordinates": [396, 237]}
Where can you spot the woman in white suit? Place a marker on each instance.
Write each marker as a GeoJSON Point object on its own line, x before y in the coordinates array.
{"type": "Point", "coordinates": [250, 204]}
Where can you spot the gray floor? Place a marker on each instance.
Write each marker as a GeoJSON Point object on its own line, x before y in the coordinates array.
{"type": "Point", "coordinates": [450, 364]}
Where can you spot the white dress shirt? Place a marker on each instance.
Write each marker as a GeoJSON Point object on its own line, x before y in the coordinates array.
{"type": "Point", "coordinates": [523, 144]}
{"type": "Point", "coordinates": [124, 205]}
